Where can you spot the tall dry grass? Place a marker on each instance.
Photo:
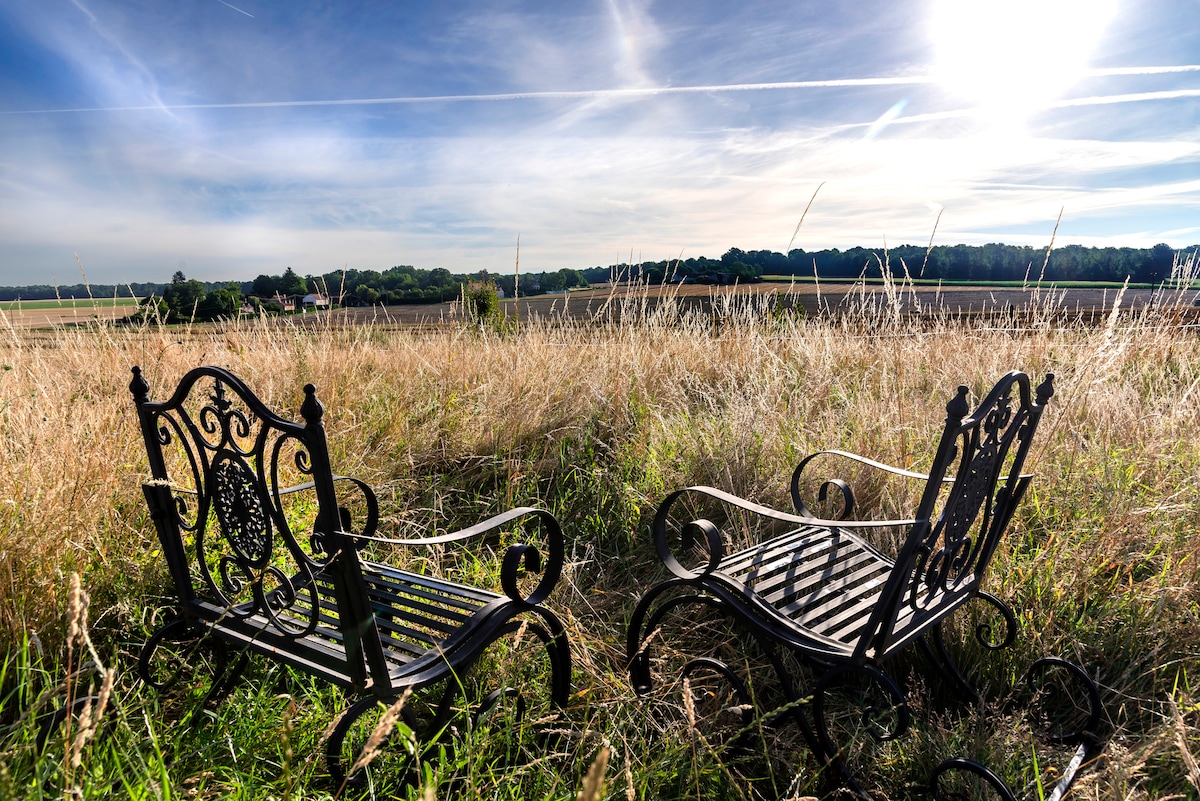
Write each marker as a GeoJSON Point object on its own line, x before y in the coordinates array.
{"type": "Point", "coordinates": [598, 420]}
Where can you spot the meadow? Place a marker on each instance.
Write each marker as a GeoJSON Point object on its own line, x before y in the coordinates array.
{"type": "Point", "coordinates": [597, 419]}
{"type": "Point", "coordinates": [63, 311]}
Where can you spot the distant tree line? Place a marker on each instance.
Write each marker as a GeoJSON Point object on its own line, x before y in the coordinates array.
{"type": "Point", "coordinates": [185, 298]}
{"type": "Point", "coordinates": [945, 262]}
{"type": "Point", "coordinates": [79, 291]}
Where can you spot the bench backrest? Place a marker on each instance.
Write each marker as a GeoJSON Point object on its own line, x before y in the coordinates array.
{"type": "Point", "coordinates": [946, 554]}
{"type": "Point", "coordinates": [233, 485]}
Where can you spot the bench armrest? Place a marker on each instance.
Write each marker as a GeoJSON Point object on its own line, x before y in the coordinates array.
{"type": "Point", "coordinates": [518, 557]}
{"type": "Point", "coordinates": [841, 485]}
{"type": "Point", "coordinates": [712, 535]}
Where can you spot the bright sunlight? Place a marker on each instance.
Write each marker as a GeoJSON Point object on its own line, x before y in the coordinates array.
{"type": "Point", "coordinates": [1010, 58]}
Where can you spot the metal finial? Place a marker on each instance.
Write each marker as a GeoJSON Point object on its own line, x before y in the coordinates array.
{"type": "Point", "coordinates": [1046, 390]}
{"type": "Point", "coordinates": [958, 408]}
{"type": "Point", "coordinates": [311, 410]}
{"type": "Point", "coordinates": [139, 387]}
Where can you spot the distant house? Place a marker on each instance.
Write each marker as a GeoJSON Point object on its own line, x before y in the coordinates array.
{"type": "Point", "coordinates": [314, 301]}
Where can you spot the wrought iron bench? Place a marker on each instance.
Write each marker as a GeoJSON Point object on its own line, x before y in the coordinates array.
{"type": "Point", "coordinates": [824, 605]}
{"type": "Point", "coordinates": [257, 534]}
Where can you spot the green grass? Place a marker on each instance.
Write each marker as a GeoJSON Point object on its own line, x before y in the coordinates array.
{"type": "Point", "coordinates": [69, 303]}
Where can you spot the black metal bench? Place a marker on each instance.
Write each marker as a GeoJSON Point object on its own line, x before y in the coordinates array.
{"type": "Point", "coordinates": [824, 590]}
{"type": "Point", "coordinates": [257, 534]}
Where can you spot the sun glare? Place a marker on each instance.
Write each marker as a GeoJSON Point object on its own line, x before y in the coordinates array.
{"type": "Point", "coordinates": [1009, 58]}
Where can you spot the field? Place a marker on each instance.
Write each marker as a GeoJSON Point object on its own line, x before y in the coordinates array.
{"type": "Point", "coordinates": [613, 302]}
{"type": "Point", "coordinates": [597, 416]}
{"type": "Point", "coordinates": [69, 311]}
{"type": "Point", "coordinates": [837, 299]}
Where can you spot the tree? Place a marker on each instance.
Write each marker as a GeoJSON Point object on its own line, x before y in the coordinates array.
{"type": "Point", "coordinates": [264, 286]}
{"type": "Point", "coordinates": [183, 297]}
{"type": "Point", "coordinates": [1159, 263]}
{"type": "Point", "coordinates": [291, 284]}
{"type": "Point", "coordinates": [366, 294]}
{"type": "Point", "coordinates": [481, 301]}
{"type": "Point", "coordinates": [220, 303]}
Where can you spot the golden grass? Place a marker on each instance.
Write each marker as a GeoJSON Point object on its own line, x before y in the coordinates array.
{"type": "Point", "coordinates": [599, 420]}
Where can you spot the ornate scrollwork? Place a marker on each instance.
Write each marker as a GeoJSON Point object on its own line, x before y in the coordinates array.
{"type": "Point", "coordinates": [235, 456]}
{"type": "Point", "coordinates": [231, 425]}
{"type": "Point", "coordinates": [984, 630]}
{"type": "Point", "coordinates": [519, 558]}
{"type": "Point", "coordinates": [241, 513]}
{"type": "Point", "coordinates": [823, 492]}
{"type": "Point", "coordinates": [170, 432]}
{"type": "Point", "coordinates": [236, 577]}
{"type": "Point", "coordinates": [297, 596]}
{"type": "Point", "coordinates": [958, 540]}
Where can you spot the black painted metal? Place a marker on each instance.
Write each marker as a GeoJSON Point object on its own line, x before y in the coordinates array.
{"type": "Point", "coordinates": [822, 591]}
{"type": "Point", "coordinates": [253, 576]}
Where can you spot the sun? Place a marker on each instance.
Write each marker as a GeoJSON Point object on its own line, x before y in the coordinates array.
{"type": "Point", "coordinates": [1010, 58]}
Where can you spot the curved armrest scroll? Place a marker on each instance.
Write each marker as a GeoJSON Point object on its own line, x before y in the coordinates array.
{"type": "Point", "coordinates": [712, 535]}
{"type": "Point", "coordinates": [841, 485]}
{"type": "Point", "coordinates": [519, 557]}
{"type": "Point", "coordinates": [317, 540]}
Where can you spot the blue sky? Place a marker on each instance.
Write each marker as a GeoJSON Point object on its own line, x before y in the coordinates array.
{"type": "Point", "coordinates": [229, 139]}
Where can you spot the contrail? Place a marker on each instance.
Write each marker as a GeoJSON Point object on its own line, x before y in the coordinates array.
{"type": "Point", "coordinates": [912, 80]}
{"type": "Point", "coordinates": [1099, 100]}
{"type": "Point", "coordinates": [235, 8]}
{"type": "Point", "coordinates": [1113, 71]}
{"type": "Point", "coordinates": [551, 95]}
{"type": "Point", "coordinates": [1103, 100]}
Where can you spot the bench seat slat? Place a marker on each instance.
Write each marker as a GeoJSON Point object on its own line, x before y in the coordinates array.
{"type": "Point", "coordinates": [386, 575]}
{"type": "Point", "coordinates": [807, 578]}
{"type": "Point", "coordinates": [785, 544]}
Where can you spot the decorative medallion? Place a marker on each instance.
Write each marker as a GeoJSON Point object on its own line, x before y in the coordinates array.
{"type": "Point", "coordinates": [240, 510]}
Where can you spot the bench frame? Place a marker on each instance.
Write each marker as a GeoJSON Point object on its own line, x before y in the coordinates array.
{"type": "Point", "coordinates": [247, 583]}
{"type": "Point", "coordinates": [824, 593]}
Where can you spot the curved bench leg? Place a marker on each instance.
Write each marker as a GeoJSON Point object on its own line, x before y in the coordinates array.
{"type": "Point", "coordinates": [857, 709]}
{"type": "Point", "coordinates": [345, 755]}
{"type": "Point", "coordinates": [643, 625]}
{"type": "Point", "coordinates": [724, 690]}
{"type": "Point", "coordinates": [178, 657]}
{"type": "Point", "coordinates": [348, 736]}
{"type": "Point", "coordinates": [985, 635]}
{"type": "Point", "coordinates": [1064, 702]}
{"type": "Point", "coordinates": [958, 777]}
{"type": "Point", "coordinates": [545, 631]}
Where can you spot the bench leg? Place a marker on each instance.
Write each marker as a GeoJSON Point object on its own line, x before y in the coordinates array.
{"type": "Point", "coordinates": [515, 676]}
{"type": "Point", "coordinates": [1062, 704]}
{"type": "Point", "coordinates": [177, 659]}
{"type": "Point", "coordinates": [720, 696]}
{"type": "Point", "coordinates": [990, 636]}
{"type": "Point", "coordinates": [350, 736]}
{"type": "Point", "coordinates": [461, 703]}
{"type": "Point", "coordinates": [857, 711]}
{"type": "Point", "coordinates": [1065, 705]}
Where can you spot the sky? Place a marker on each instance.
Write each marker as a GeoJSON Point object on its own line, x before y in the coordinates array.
{"type": "Point", "coordinates": [232, 139]}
